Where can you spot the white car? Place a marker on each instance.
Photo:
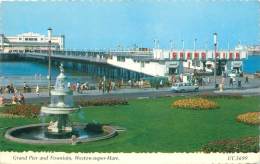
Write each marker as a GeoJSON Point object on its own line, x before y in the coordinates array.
{"type": "Point", "coordinates": [184, 87]}
{"type": "Point", "coordinates": [232, 74]}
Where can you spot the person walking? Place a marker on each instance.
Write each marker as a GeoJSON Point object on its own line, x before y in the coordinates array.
{"type": "Point", "coordinates": [24, 87]}
{"type": "Point", "coordinates": [247, 80]}
{"type": "Point", "coordinates": [21, 98]}
{"type": "Point", "coordinates": [161, 83]}
{"type": "Point", "coordinates": [37, 90]}
{"type": "Point", "coordinates": [100, 85]}
{"type": "Point", "coordinates": [2, 100]}
{"type": "Point", "coordinates": [239, 83]}
{"type": "Point", "coordinates": [231, 82]}
{"type": "Point", "coordinates": [78, 87]}
{"type": "Point", "coordinates": [103, 87]}
{"type": "Point", "coordinates": [68, 85]}
{"type": "Point", "coordinates": [14, 99]}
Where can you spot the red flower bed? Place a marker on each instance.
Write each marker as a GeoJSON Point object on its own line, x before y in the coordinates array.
{"type": "Point", "coordinates": [101, 102]}
{"type": "Point", "coordinates": [23, 110]}
{"type": "Point", "coordinates": [245, 145]}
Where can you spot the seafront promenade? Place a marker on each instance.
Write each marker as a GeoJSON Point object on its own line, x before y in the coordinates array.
{"type": "Point", "coordinates": [126, 92]}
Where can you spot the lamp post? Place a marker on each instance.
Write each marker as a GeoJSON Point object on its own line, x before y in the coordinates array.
{"type": "Point", "coordinates": [182, 45]}
{"type": "Point", "coordinates": [171, 44]}
{"type": "Point", "coordinates": [49, 52]}
{"type": "Point", "coordinates": [156, 43]}
{"type": "Point", "coordinates": [195, 41]}
{"type": "Point", "coordinates": [215, 58]}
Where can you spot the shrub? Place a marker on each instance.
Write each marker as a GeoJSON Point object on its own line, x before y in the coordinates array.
{"type": "Point", "coordinates": [225, 96]}
{"type": "Point", "coordinates": [23, 110]}
{"type": "Point", "coordinates": [94, 127]}
{"type": "Point", "coordinates": [101, 102]}
{"type": "Point", "coordinates": [195, 103]}
{"type": "Point", "coordinates": [248, 144]}
{"type": "Point", "coordinates": [251, 118]}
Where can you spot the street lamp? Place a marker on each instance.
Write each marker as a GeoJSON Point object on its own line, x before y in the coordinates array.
{"type": "Point", "coordinates": [49, 52]}
{"type": "Point", "coordinates": [171, 44]}
{"type": "Point", "coordinates": [182, 44]}
{"type": "Point", "coordinates": [156, 43]}
{"type": "Point", "coordinates": [195, 40]}
{"type": "Point", "coordinates": [215, 58]}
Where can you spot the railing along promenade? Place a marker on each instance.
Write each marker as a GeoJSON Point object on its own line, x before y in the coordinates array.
{"type": "Point", "coordinates": [97, 56]}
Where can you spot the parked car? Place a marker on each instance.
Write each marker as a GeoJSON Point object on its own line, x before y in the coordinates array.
{"type": "Point", "coordinates": [184, 87]}
{"type": "Point", "coordinates": [232, 74]}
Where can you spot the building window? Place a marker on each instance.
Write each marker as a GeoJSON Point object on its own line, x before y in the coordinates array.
{"type": "Point", "coordinates": [26, 39]}
{"type": "Point", "coordinates": [142, 64]}
{"type": "Point", "coordinates": [121, 58]}
{"type": "Point", "coordinates": [20, 38]}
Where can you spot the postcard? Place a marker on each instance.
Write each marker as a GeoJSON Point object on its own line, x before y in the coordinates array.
{"type": "Point", "coordinates": [129, 81]}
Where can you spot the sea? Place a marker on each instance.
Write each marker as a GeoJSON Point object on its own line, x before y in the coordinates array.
{"type": "Point", "coordinates": [252, 64]}
{"type": "Point", "coordinates": [35, 73]}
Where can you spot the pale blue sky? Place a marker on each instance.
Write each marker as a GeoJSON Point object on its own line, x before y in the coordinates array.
{"type": "Point", "coordinates": [100, 24]}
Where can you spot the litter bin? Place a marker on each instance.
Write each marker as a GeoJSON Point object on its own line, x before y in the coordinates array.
{"type": "Point", "coordinates": [221, 87]}
{"type": "Point", "coordinates": [216, 86]}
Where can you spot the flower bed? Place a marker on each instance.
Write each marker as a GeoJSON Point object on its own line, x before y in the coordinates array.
{"type": "Point", "coordinates": [101, 102]}
{"type": "Point", "coordinates": [195, 103]}
{"type": "Point", "coordinates": [248, 144]}
{"type": "Point", "coordinates": [23, 110]}
{"type": "Point", "coordinates": [251, 118]}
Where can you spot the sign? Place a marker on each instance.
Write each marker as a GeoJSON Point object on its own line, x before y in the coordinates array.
{"type": "Point", "coordinates": [174, 55]}
{"type": "Point", "coordinates": [203, 55]}
{"type": "Point", "coordinates": [224, 55]}
{"type": "Point", "coordinates": [181, 55]}
{"type": "Point", "coordinates": [237, 55]}
{"type": "Point", "coordinates": [188, 55]}
{"type": "Point", "coordinates": [230, 55]}
{"type": "Point", "coordinates": [173, 64]}
{"type": "Point", "coordinates": [236, 64]}
{"type": "Point", "coordinates": [196, 56]}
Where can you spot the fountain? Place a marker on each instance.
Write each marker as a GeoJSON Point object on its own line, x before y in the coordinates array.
{"type": "Point", "coordinates": [60, 108]}
{"type": "Point", "coordinates": [60, 129]}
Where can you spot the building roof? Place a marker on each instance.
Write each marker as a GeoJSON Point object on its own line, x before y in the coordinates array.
{"type": "Point", "coordinates": [31, 43]}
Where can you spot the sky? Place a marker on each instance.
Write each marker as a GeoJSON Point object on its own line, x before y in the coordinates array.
{"type": "Point", "coordinates": [93, 24]}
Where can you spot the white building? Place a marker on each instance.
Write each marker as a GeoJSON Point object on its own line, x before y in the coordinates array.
{"type": "Point", "coordinates": [201, 59]}
{"type": "Point", "coordinates": [29, 42]}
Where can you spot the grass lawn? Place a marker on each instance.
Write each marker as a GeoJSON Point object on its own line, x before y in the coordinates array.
{"type": "Point", "coordinates": [152, 126]}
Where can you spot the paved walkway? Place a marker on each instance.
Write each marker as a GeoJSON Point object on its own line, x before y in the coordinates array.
{"type": "Point", "coordinates": [249, 88]}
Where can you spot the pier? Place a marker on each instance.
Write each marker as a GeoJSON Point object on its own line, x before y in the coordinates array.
{"type": "Point", "coordinates": [124, 63]}
{"type": "Point", "coordinates": [155, 62]}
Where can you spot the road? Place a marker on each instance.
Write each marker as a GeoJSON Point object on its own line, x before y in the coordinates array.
{"type": "Point", "coordinates": [139, 94]}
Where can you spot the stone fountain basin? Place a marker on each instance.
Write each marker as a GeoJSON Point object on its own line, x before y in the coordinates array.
{"type": "Point", "coordinates": [34, 134]}
{"type": "Point", "coordinates": [58, 110]}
